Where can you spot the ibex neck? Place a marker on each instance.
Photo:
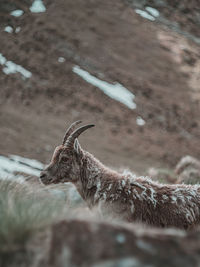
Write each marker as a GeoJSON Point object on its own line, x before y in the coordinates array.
{"type": "Point", "coordinates": [93, 176]}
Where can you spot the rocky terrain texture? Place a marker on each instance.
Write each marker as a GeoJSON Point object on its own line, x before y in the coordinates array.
{"type": "Point", "coordinates": [109, 40]}
{"type": "Point", "coordinates": [157, 60]}
{"type": "Point", "coordinates": [89, 243]}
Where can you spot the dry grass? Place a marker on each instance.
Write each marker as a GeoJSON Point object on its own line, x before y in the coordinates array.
{"type": "Point", "coordinates": [23, 211]}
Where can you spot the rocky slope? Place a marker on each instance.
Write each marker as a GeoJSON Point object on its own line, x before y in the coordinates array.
{"type": "Point", "coordinates": [110, 41]}
{"type": "Point", "coordinates": [79, 242]}
{"type": "Point", "coordinates": [44, 87]}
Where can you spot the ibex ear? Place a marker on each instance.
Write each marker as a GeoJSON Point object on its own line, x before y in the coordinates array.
{"type": "Point", "coordinates": [77, 147]}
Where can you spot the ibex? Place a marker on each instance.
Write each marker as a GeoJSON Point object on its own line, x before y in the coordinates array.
{"type": "Point", "coordinates": [131, 198]}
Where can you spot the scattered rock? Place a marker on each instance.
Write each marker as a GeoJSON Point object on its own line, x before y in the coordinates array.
{"type": "Point", "coordinates": [188, 170]}
{"type": "Point", "coordinates": [187, 162]}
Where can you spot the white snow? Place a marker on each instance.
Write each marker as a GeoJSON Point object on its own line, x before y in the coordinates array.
{"type": "Point", "coordinates": [115, 91]}
{"type": "Point", "coordinates": [18, 29]}
{"type": "Point", "coordinates": [8, 29]}
{"type": "Point", "coordinates": [31, 162]}
{"type": "Point", "coordinates": [150, 13]}
{"type": "Point", "coordinates": [61, 59]}
{"type": "Point", "coordinates": [17, 13]}
{"type": "Point", "coordinates": [144, 14]}
{"type": "Point", "coordinates": [154, 12]}
{"type": "Point", "coordinates": [140, 121]}
{"type": "Point", "coordinates": [37, 7]}
{"type": "Point", "coordinates": [10, 165]}
{"type": "Point", "coordinates": [10, 68]}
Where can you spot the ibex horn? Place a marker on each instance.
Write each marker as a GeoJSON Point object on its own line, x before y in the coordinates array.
{"type": "Point", "coordinates": [70, 141]}
{"type": "Point", "coordinates": [70, 131]}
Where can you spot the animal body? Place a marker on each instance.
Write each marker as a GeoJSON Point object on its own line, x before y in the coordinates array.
{"type": "Point", "coordinates": [131, 198]}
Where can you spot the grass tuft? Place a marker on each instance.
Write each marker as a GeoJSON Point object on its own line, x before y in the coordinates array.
{"type": "Point", "coordinates": [23, 211]}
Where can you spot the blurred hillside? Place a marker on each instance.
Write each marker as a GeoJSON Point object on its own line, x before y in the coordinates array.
{"type": "Point", "coordinates": [156, 59]}
{"type": "Point", "coordinates": [131, 67]}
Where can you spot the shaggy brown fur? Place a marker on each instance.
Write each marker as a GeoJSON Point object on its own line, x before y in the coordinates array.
{"type": "Point", "coordinates": [125, 196]}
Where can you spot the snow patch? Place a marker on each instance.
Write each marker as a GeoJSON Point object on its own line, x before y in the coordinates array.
{"type": "Point", "coordinates": [8, 29]}
{"type": "Point", "coordinates": [144, 14]}
{"type": "Point", "coordinates": [61, 59]}
{"type": "Point", "coordinates": [30, 162]}
{"type": "Point", "coordinates": [115, 91]}
{"type": "Point", "coordinates": [140, 121]}
{"type": "Point", "coordinates": [150, 13]}
{"type": "Point", "coordinates": [154, 12]}
{"type": "Point", "coordinates": [14, 164]}
{"type": "Point", "coordinates": [37, 7]}
{"type": "Point", "coordinates": [18, 29]}
{"type": "Point", "coordinates": [11, 68]}
{"type": "Point", "coordinates": [17, 13]}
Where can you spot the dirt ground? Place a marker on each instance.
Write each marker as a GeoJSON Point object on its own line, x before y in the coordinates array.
{"type": "Point", "coordinates": [109, 40]}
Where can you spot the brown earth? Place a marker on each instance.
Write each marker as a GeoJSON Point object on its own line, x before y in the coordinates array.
{"type": "Point", "coordinates": [108, 39]}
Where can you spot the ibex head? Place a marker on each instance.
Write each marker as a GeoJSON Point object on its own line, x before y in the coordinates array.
{"type": "Point", "coordinates": [65, 163]}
